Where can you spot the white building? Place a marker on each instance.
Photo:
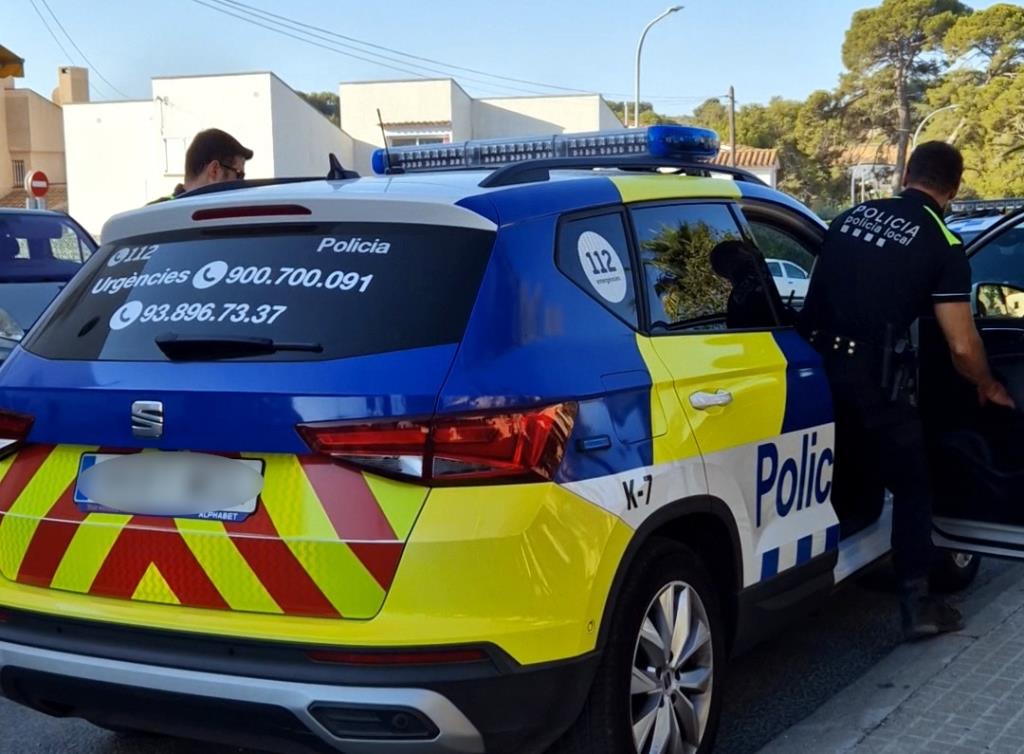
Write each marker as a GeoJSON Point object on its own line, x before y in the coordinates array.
{"type": "Point", "coordinates": [121, 155]}
{"type": "Point", "coordinates": [434, 111]}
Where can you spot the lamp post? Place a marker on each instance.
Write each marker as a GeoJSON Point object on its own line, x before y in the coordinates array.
{"type": "Point", "coordinates": [639, 49]}
{"type": "Point", "coordinates": [928, 117]}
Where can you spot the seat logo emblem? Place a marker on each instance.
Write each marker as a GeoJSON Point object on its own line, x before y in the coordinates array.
{"type": "Point", "coordinates": [147, 419]}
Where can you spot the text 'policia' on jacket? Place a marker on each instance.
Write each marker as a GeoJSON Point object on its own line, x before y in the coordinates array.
{"type": "Point", "coordinates": [415, 445]}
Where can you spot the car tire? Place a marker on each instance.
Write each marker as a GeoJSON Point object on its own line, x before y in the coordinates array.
{"type": "Point", "coordinates": [953, 571]}
{"type": "Point", "coordinates": [635, 681]}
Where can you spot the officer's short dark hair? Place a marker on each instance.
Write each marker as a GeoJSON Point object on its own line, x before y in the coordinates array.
{"type": "Point", "coordinates": [209, 145]}
{"type": "Point", "coordinates": [936, 165]}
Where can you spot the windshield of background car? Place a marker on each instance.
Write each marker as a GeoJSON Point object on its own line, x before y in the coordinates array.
{"type": "Point", "coordinates": [351, 288]}
{"type": "Point", "coordinates": [39, 247]}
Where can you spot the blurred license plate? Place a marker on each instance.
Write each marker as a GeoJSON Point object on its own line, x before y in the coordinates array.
{"type": "Point", "coordinates": [148, 502]}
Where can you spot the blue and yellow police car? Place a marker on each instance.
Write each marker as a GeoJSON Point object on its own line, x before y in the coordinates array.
{"type": "Point", "coordinates": [505, 449]}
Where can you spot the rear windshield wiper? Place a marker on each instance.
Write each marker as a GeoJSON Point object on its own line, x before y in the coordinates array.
{"type": "Point", "coordinates": [214, 347]}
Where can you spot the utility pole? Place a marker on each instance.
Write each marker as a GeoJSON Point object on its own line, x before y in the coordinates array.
{"type": "Point", "coordinates": [732, 126]}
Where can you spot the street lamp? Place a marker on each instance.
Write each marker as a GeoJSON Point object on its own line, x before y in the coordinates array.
{"type": "Point", "coordinates": [639, 48]}
{"type": "Point", "coordinates": [917, 133]}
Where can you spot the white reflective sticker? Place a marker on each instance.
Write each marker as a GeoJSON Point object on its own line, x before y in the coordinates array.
{"type": "Point", "coordinates": [602, 266]}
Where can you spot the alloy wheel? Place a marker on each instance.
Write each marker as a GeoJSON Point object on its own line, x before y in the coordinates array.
{"type": "Point", "coordinates": [673, 673]}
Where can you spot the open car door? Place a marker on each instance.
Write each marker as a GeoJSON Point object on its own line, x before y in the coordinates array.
{"type": "Point", "coordinates": [977, 454]}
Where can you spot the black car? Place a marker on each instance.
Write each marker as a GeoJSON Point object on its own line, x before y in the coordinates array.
{"type": "Point", "coordinates": [40, 251]}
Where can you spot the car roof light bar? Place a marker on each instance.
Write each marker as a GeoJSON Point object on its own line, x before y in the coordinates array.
{"type": "Point", "coordinates": [672, 142]}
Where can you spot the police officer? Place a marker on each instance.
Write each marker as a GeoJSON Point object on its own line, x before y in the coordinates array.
{"type": "Point", "coordinates": [885, 263]}
{"type": "Point", "coordinates": [214, 156]}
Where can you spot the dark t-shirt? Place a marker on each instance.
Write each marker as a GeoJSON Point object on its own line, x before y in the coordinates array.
{"type": "Point", "coordinates": [886, 261]}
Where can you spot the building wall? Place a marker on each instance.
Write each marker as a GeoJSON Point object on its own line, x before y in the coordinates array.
{"type": "Point", "coordinates": [418, 101]}
{"type": "Point", "coordinates": [6, 173]}
{"type": "Point", "coordinates": [303, 137]}
{"type": "Point", "coordinates": [529, 116]}
{"type": "Point", "coordinates": [462, 115]}
{"type": "Point", "coordinates": [238, 104]}
{"type": "Point", "coordinates": [35, 132]}
{"type": "Point", "coordinates": [112, 163]}
{"type": "Point", "coordinates": [121, 155]}
{"type": "Point", "coordinates": [428, 106]}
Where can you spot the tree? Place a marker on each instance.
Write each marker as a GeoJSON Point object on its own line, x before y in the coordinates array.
{"type": "Point", "coordinates": [624, 112]}
{"type": "Point", "coordinates": [712, 114]}
{"type": "Point", "coordinates": [988, 87]}
{"type": "Point", "coordinates": [687, 285]}
{"type": "Point", "coordinates": [996, 35]}
{"type": "Point", "coordinates": [327, 103]}
{"type": "Point", "coordinates": [895, 45]}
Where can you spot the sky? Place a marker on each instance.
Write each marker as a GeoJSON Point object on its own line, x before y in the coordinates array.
{"type": "Point", "coordinates": [764, 48]}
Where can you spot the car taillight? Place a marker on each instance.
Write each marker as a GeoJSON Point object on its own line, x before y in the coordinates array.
{"type": "Point", "coordinates": [515, 446]}
{"type": "Point", "coordinates": [14, 429]}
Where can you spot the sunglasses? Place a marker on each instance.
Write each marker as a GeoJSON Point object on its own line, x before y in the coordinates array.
{"type": "Point", "coordinates": [239, 174]}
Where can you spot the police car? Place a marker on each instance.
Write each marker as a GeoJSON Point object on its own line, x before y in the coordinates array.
{"type": "Point", "coordinates": [970, 218]}
{"type": "Point", "coordinates": [505, 449]}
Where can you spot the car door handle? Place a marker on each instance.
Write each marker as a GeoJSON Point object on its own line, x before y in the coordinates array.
{"type": "Point", "coordinates": [702, 400]}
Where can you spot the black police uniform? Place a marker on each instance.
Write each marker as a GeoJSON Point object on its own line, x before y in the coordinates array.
{"type": "Point", "coordinates": [884, 264]}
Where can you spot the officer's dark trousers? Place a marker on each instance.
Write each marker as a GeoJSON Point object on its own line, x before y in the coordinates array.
{"type": "Point", "coordinates": [877, 440]}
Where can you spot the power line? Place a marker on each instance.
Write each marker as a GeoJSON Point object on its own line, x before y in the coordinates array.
{"type": "Point", "coordinates": [364, 43]}
{"type": "Point", "coordinates": [67, 55]}
{"type": "Point", "coordinates": [335, 47]}
{"type": "Point", "coordinates": [446, 68]}
{"type": "Point", "coordinates": [79, 49]}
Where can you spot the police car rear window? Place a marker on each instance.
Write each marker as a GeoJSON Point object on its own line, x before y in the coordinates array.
{"type": "Point", "coordinates": [337, 290]}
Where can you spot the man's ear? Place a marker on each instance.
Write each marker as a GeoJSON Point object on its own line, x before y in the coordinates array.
{"type": "Point", "coordinates": [213, 171]}
{"type": "Point", "coordinates": [903, 182]}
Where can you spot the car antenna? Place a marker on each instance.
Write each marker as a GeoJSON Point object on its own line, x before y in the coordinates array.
{"type": "Point", "coordinates": [337, 171]}
{"type": "Point", "coordinates": [387, 152]}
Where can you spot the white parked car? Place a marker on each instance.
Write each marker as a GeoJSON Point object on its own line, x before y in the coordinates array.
{"type": "Point", "coordinates": [790, 278]}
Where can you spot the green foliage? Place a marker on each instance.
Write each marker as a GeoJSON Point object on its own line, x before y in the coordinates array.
{"type": "Point", "coordinates": [624, 112]}
{"type": "Point", "coordinates": [712, 114]}
{"type": "Point", "coordinates": [996, 35]}
{"type": "Point", "coordinates": [687, 285]}
{"type": "Point", "coordinates": [905, 59]}
{"type": "Point", "coordinates": [891, 52]}
{"type": "Point", "coordinates": [327, 103]}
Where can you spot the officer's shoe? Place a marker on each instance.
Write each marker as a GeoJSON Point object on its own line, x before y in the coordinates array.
{"type": "Point", "coordinates": [925, 615]}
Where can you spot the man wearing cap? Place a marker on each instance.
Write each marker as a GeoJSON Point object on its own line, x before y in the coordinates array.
{"type": "Point", "coordinates": [885, 264]}
{"type": "Point", "coordinates": [213, 156]}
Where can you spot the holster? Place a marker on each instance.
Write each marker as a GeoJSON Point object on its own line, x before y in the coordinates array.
{"type": "Point", "coordinates": [887, 370]}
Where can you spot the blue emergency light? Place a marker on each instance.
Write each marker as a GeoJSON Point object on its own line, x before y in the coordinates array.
{"type": "Point", "coordinates": [677, 142]}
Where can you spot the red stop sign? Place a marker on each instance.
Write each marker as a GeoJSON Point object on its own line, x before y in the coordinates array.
{"type": "Point", "coordinates": [37, 184]}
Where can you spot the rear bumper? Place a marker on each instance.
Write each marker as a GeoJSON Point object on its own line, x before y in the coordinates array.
{"type": "Point", "coordinates": [172, 701]}
{"type": "Point", "coordinates": [266, 694]}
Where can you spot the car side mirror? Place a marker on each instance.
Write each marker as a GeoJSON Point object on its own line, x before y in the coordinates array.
{"type": "Point", "coordinates": [997, 300]}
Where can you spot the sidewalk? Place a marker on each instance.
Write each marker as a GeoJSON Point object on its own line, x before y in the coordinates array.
{"type": "Point", "coordinates": [958, 694]}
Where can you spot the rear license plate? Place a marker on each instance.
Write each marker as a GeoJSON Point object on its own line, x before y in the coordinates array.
{"type": "Point", "coordinates": [149, 502]}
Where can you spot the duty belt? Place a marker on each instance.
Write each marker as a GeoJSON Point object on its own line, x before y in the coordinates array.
{"type": "Point", "coordinates": [825, 342]}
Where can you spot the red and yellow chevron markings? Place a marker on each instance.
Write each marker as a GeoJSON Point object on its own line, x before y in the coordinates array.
{"type": "Point", "coordinates": [324, 540]}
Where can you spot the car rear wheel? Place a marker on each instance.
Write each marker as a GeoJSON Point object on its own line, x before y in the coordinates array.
{"type": "Point", "coordinates": [658, 687]}
{"type": "Point", "coordinates": [954, 571]}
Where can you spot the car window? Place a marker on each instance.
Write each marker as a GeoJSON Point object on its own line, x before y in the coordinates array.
{"type": "Point", "coordinates": [36, 247]}
{"type": "Point", "coordinates": [795, 272]}
{"type": "Point", "coordinates": [777, 244]}
{"type": "Point", "coordinates": [700, 274]}
{"type": "Point", "coordinates": [339, 289]}
{"type": "Point", "coordinates": [1001, 260]}
{"type": "Point", "coordinates": [775, 269]}
{"type": "Point", "coordinates": [594, 253]}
